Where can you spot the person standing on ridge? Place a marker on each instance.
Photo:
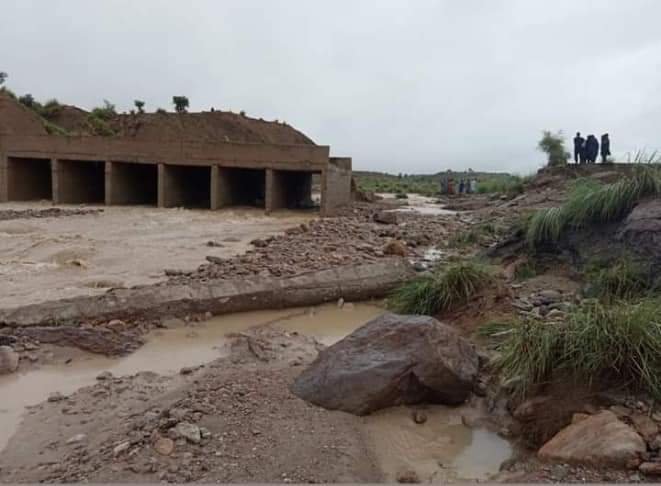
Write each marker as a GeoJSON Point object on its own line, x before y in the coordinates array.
{"type": "Point", "coordinates": [579, 148]}
{"type": "Point", "coordinates": [592, 148]}
{"type": "Point", "coordinates": [605, 148]}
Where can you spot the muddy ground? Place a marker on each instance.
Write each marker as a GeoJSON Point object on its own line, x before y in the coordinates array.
{"type": "Point", "coordinates": [210, 400]}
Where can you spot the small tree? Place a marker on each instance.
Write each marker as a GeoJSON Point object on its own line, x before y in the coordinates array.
{"type": "Point", "coordinates": [27, 100]}
{"type": "Point", "coordinates": [553, 144]}
{"type": "Point", "coordinates": [180, 103]}
{"type": "Point", "coordinates": [140, 105]}
{"type": "Point", "coordinates": [3, 77]}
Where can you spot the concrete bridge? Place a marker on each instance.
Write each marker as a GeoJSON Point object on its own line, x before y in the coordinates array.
{"type": "Point", "coordinates": [115, 171]}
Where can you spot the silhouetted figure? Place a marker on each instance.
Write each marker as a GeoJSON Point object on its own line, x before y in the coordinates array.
{"type": "Point", "coordinates": [461, 186]}
{"type": "Point", "coordinates": [591, 149]}
{"type": "Point", "coordinates": [579, 148]}
{"type": "Point", "coordinates": [605, 148]}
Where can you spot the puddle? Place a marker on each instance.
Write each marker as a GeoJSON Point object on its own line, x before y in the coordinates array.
{"type": "Point", "coordinates": [169, 350]}
{"type": "Point", "coordinates": [441, 449]}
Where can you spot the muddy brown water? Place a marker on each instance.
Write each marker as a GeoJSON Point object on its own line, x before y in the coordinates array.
{"type": "Point", "coordinates": [442, 448]}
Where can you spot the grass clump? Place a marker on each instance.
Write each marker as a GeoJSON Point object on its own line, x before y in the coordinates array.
{"type": "Point", "coordinates": [622, 279]}
{"type": "Point", "coordinates": [596, 343]}
{"type": "Point", "coordinates": [448, 289]}
{"type": "Point", "coordinates": [589, 204]}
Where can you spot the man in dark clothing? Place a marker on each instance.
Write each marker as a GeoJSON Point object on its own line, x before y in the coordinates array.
{"type": "Point", "coordinates": [579, 148]}
{"type": "Point", "coordinates": [592, 148]}
{"type": "Point", "coordinates": [605, 148]}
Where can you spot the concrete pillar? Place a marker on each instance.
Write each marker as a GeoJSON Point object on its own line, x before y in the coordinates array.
{"type": "Point", "coordinates": [4, 185]}
{"type": "Point", "coordinates": [162, 183]}
{"type": "Point", "coordinates": [108, 183]}
{"type": "Point", "coordinates": [275, 191]}
{"type": "Point", "coordinates": [336, 185]}
{"type": "Point", "coordinates": [55, 181]}
{"type": "Point", "coordinates": [221, 187]}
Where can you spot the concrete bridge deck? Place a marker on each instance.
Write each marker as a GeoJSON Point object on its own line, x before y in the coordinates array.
{"type": "Point", "coordinates": [119, 171]}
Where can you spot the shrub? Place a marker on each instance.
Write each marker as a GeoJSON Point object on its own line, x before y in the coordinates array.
{"type": "Point", "coordinates": [510, 185]}
{"type": "Point", "coordinates": [53, 129]}
{"type": "Point", "coordinates": [464, 238]}
{"type": "Point", "coordinates": [180, 103]}
{"type": "Point", "coordinates": [3, 77]}
{"type": "Point", "coordinates": [140, 105]}
{"type": "Point", "coordinates": [161, 111]}
{"type": "Point", "coordinates": [27, 100]}
{"type": "Point", "coordinates": [106, 112]}
{"type": "Point", "coordinates": [450, 288]}
{"type": "Point", "coordinates": [50, 109]}
{"type": "Point", "coordinates": [553, 145]}
{"type": "Point", "coordinates": [597, 342]}
{"type": "Point", "coordinates": [401, 195]}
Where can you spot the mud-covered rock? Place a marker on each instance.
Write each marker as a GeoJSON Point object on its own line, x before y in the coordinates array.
{"type": "Point", "coordinates": [391, 360]}
{"type": "Point", "coordinates": [386, 217]}
{"type": "Point", "coordinates": [8, 360]}
{"type": "Point", "coordinates": [642, 229]}
{"type": "Point", "coordinates": [599, 440]}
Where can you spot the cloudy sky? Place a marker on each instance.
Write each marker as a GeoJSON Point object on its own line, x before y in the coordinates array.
{"type": "Point", "coordinates": [399, 85]}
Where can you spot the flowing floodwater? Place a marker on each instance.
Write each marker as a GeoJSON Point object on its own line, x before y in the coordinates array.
{"type": "Point", "coordinates": [440, 449]}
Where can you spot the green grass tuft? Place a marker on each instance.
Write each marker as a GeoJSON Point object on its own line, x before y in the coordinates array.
{"type": "Point", "coordinates": [622, 279]}
{"type": "Point", "coordinates": [597, 342]}
{"type": "Point", "coordinates": [589, 204]}
{"type": "Point", "coordinates": [450, 288]}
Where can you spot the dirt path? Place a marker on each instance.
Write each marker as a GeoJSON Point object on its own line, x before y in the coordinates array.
{"type": "Point", "coordinates": [85, 254]}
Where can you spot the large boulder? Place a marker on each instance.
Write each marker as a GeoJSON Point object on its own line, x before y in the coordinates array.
{"type": "Point", "coordinates": [391, 360]}
{"type": "Point", "coordinates": [598, 440]}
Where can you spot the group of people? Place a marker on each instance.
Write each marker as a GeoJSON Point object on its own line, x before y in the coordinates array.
{"type": "Point", "coordinates": [465, 186]}
{"type": "Point", "coordinates": [586, 150]}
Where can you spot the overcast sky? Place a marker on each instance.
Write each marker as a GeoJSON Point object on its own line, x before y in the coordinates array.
{"type": "Point", "coordinates": [399, 85]}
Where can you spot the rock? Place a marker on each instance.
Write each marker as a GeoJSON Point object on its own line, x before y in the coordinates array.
{"type": "Point", "coordinates": [531, 408]}
{"type": "Point", "coordinates": [186, 370]}
{"type": "Point", "coordinates": [396, 248]}
{"type": "Point", "coordinates": [56, 397]}
{"type": "Point", "coordinates": [645, 426]}
{"type": "Point", "coordinates": [121, 448]}
{"type": "Point", "coordinates": [655, 445]}
{"type": "Point", "coordinates": [76, 439]}
{"type": "Point", "coordinates": [599, 440]}
{"type": "Point", "coordinates": [164, 446]}
{"type": "Point", "coordinates": [407, 477]}
{"type": "Point", "coordinates": [419, 417]}
{"type": "Point", "coordinates": [549, 296]}
{"type": "Point", "coordinates": [104, 375]}
{"type": "Point", "coordinates": [116, 325]}
{"type": "Point", "coordinates": [386, 217]}
{"type": "Point", "coordinates": [650, 468]}
{"type": "Point", "coordinates": [8, 360]}
{"type": "Point", "coordinates": [641, 230]}
{"type": "Point", "coordinates": [621, 411]}
{"type": "Point", "coordinates": [392, 360]}
{"type": "Point", "coordinates": [577, 417]}
{"type": "Point", "coordinates": [259, 243]}
{"type": "Point", "coordinates": [190, 432]}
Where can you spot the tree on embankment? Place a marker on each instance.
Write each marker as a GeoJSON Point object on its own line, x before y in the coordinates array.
{"type": "Point", "coordinates": [180, 103]}
{"type": "Point", "coordinates": [553, 145]}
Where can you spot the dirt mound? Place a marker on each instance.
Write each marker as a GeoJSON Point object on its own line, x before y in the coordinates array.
{"type": "Point", "coordinates": [207, 127]}
{"type": "Point", "coordinates": [16, 119]}
{"type": "Point", "coordinates": [215, 126]}
{"type": "Point", "coordinates": [71, 118]}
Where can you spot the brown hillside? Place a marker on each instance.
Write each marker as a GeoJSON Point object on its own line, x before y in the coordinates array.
{"type": "Point", "coordinates": [204, 127]}
{"type": "Point", "coordinates": [16, 119]}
